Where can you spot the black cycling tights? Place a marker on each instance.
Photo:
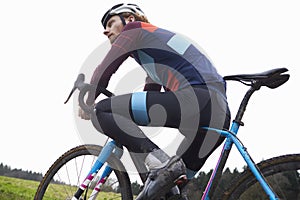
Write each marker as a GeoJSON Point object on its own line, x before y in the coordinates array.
{"type": "Point", "coordinates": [187, 110]}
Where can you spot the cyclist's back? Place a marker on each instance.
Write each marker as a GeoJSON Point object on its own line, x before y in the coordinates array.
{"type": "Point", "coordinates": [170, 59]}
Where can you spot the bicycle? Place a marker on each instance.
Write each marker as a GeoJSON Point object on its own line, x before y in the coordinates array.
{"type": "Point", "coordinates": [106, 161]}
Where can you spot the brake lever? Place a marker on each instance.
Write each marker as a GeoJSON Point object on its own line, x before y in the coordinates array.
{"type": "Point", "coordinates": [79, 81]}
{"type": "Point", "coordinates": [71, 93]}
{"type": "Point", "coordinates": [79, 84]}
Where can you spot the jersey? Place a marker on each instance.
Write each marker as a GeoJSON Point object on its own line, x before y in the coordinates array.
{"type": "Point", "coordinates": [169, 59]}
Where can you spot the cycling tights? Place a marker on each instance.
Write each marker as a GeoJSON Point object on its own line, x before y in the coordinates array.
{"type": "Point", "coordinates": [187, 110]}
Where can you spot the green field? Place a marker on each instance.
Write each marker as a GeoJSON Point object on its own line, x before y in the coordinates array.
{"type": "Point", "coordinates": [19, 189]}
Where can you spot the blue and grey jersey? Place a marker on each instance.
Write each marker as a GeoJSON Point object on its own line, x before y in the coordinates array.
{"type": "Point", "coordinates": [169, 59]}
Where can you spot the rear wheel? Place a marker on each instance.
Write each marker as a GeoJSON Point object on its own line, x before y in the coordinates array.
{"type": "Point", "coordinates": [62, 179]}
{"type": "Point", "coordinates": [282, 173]}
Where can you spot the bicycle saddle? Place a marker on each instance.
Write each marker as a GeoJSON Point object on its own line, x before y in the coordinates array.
{"type": "Point", "coordinates": [272, 78]}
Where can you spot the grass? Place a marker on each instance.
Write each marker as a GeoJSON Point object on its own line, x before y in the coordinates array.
{"type": "Point", "coordinates": [19, 189]}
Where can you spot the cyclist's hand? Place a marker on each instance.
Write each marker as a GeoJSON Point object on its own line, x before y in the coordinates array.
{"type": "Point", "coordinates": [83, 115]}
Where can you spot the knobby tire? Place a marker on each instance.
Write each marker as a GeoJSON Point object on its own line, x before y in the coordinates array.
{"type": "Point", "coordinates": [274, 170]}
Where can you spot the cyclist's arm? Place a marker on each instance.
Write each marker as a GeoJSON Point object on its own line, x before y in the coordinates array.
{"type": "Point", "coordinates": [119, 52]}
{"type": "Point", "coordinates": [103, 73]}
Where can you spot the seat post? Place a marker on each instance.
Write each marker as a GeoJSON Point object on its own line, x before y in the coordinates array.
{"type": "Point", "coordinates": [244, 103]}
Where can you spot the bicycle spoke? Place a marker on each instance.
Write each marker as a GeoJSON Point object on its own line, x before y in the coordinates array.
{"type": "Point", "coordinates": [70, 170]}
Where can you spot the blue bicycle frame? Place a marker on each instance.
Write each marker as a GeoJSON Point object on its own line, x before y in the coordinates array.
{"type": "Point", "coordinates": [110, 148]}
{"type": "Point", "coordinates": [232, 139]}
{"type": "Point", "coordinates": [272, 79]}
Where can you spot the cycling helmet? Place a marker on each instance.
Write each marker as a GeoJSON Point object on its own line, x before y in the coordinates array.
{"type": "Point", "coordinates": [121, 8]}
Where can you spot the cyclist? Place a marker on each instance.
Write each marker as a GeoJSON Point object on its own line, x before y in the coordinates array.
{"type": "Point", "coordinates": [183, 90]}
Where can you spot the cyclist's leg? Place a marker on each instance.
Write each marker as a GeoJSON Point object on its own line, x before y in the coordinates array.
{"type": "Point", "coordinates": [119, 121]}
{"type": "Point", "coordinates": [116, 122]}
{"type": "Point", "coordinates": [198, 145]}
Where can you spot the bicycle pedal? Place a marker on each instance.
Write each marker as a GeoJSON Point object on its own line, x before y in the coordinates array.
{"type": "Point", "coordinates": [181, 179]}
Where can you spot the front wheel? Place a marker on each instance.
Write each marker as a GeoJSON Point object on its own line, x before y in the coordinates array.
{"type": "Point", "coordinates": [63, 177]}
{"type": "Point", "coordinates": [282, 174]}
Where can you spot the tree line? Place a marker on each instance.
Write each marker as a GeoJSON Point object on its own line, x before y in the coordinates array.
{"type": "Point", "coordinates": [19, 173]}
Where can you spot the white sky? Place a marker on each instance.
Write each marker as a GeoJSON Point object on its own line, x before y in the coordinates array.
{"type": "Point", "coordinates": [43, 45]}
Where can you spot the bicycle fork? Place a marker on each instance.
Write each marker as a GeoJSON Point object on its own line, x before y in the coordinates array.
{"type": "Point", "coordinates": [107, 150]}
